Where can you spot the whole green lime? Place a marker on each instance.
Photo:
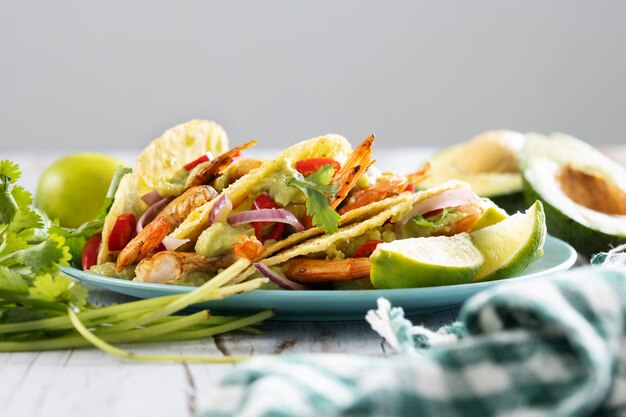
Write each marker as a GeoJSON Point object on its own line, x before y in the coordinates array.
{"type": "Point", "coordinates": [73, 188]}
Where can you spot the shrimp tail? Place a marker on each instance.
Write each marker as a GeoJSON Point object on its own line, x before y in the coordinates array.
{"type": "Point", "coordinates": [210, 170]}
{"type": "Point", "coordinates": [347, 176]}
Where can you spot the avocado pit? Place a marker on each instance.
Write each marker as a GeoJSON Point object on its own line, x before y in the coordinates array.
{"type": "Point", "coordinates": [592, 190]}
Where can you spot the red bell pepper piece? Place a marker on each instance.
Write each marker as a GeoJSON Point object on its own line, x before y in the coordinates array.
{"type": "Point", "coordinates": [366, 249]}
{"type": "Point", "coordinates": [309, 166]}
{"type": "Point", "coordinates": [89, 257]}
{"type": "Point", "coordinates": [122, 232]}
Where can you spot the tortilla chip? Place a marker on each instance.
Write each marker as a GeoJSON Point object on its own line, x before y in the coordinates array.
{"type": "Point", "coordinates": [126, 201]}
{"type": "Point", "coordinates": [160, 160]}
{"type": "Point", "coordinates": [178, 146]}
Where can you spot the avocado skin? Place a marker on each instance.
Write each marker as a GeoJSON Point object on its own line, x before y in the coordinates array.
{"type": "Point", "coordinates": [584, 239]}
{"type": "Point", "coordinates": [511, 203]}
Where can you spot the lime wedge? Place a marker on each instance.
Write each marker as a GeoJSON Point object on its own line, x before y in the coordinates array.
{"type": "Point", "coordinates": [425, 262]}
{"type": "Point", "coordinates": [511, 245]}
{"type": "Point", "coordinates": [492, 214]}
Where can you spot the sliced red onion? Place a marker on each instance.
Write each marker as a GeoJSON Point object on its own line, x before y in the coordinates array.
{"type": "Point", "coordinates": [151, 198]}
{"type": "Point", "coordinates": [446, 199]}
{"type": "Point", "coordinates": [151, 213]}
{"type": "Point", "coordinates": [221, 209]}
{"type": "Point", "coordinates": [171, 243]}
{"type": "Point", "coordinates": [266, 215]}
{"type": "Point", "coordinates": [160, 248]}
{"type": "Point", "coordinates": [279, 280]}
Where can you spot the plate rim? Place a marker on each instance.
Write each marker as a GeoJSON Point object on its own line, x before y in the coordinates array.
{"type": "Point", "coordinates": [179, 289]}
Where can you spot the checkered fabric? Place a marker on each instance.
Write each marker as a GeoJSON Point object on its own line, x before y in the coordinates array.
{"type": "Point", "coordinates": [543, 347]}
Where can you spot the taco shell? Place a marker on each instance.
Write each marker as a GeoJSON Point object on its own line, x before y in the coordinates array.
{"type": "Point", "coordinates": [158, 162]}
{"type": "Point", "coordinates": [329, 146]}
{"type": "Point", "coordinates": [177, 146]}
{"type": "Point", "coordinates": [126, 201]}
{"type": "Point", "coordinates": [394, 211]}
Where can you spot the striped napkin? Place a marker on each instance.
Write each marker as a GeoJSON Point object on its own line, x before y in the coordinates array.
{"type": "Point", "coordinates": [546, 347]}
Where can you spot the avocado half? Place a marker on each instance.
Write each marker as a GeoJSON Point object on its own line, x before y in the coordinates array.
{"type": "Point", "coordinates": [583, 191]}
{"type": "Point", "coordinates": [488, 162]}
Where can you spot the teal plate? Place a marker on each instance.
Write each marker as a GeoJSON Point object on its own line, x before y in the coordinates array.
{"type": "Point", "coordinates": [325, 305]}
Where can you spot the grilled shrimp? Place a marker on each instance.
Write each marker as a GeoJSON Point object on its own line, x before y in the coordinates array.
{"type": "Point", "coordinates": [317, 271]}
{"type": "Point", "coordinates": [168, 219]}
{"type": "Point", "coordinates": [208, 171]}
{"type": "Point", "coordinates": [386, 186]}
{"type": "Point", "coordinates": [179, 208]}
{"type": "Point", "coordinates": [144, 243]}
{"type": "Point", "coordinates": [248, 247]}
{"type": "Point", "coordinates": [170, 265]}
{"type": "Point", "coordinates": [471, 213]}
{"type": "Point", "coordinates": [347, 176]}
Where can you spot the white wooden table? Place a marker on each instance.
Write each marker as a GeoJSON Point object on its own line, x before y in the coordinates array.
{"type": "Point", "coordinates": [90, 383]}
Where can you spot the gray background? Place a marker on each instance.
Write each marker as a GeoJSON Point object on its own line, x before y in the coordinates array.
{"type": "Point", "coordinates": [81, 75]}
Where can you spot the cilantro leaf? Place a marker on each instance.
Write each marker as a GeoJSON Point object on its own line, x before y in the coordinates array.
{"type": "Point", "coordinates": [12, 282]}
{"type": "Point", "coordinates": [433, 222]}
{"type": "Point", "coordinates": [43, 257]}
{"type": "Point", "coordinates": [22, 197]}
{"type": "Point", "coordinates": [75, 239]}
{"type": "Point", "coordinates": [8, 207]}
{"type": "Point", "coordinates": [26, 219]}
{"type": "Point", "coordinates": [318, 188]}
{"type": "Point", "coordinates": [58, 288]}
{"type": "Point", "coordinates": [9, 173]}
{"type": "Point", "coordinates": [11, 244]}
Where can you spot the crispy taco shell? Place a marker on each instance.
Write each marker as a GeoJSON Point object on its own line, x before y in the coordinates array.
{"type": "Point", "coordinates": [394, 209]}
{"type": "Point", "coordinates": [159, 161]}
{"type": "Point", "coordinates": [329, 146]}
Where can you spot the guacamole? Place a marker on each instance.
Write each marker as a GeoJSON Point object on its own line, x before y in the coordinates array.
{"type": "Point", "coordinates": [107, 269]}
{"type": "Point", "coordinates": [173, 186]}
{"type": "Point", "coordinates": [346, 248]}
{"type": "Point", "coordinates": [218, 238]}
{"type": "Point", "coordinates": [275, 185]}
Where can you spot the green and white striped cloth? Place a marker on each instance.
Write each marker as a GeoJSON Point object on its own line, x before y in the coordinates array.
{"type": "Point", "coordinates": [545, 347]}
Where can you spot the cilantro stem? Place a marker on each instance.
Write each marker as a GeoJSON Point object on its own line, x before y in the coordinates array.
{"type": "Point", "coordinates": [113, 350]}
{"type": "Point", "coordinates": [237, 324]}
{"type": "Point", "coordinates": [203, 293]}
{"type": "Point", "coordinates": [119, 312]}
{"type": "Point", "coordinates": [60, 323]}
{"type": "Point", "coordinates": [151, 334]}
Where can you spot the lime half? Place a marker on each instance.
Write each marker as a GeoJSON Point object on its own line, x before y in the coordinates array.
{"type": "Point", "coordinates": [512, 244]}
{"type": "Point", "coordinates": [425, 262]}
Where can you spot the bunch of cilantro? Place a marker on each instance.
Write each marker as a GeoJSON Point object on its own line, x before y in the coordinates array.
{"type": "Point", "coordinates": [30, 255]}
{"type": "Point", "coordinates": [42, 309]}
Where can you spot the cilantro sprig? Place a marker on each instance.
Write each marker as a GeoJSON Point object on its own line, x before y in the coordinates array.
{"type": "Point", "coordinates": [42, 309]}
{"type": "Point", "coordinates": [318, 188]}
{"type": "Point", "coordinates": [434, 222]}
